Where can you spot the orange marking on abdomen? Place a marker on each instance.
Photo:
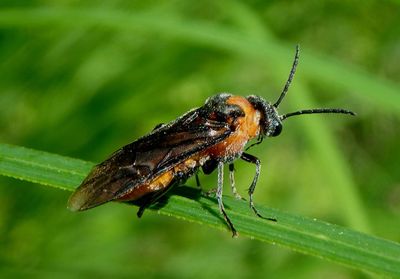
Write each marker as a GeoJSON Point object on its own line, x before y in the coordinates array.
{"type": "Point", "coordinates": [158, 183]}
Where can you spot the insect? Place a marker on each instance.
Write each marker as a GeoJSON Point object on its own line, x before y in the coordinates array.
{"type": "Point", "coordinates": [204, 138]}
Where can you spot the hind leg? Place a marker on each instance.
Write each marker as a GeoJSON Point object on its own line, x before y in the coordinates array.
{"type": "Point", "coordinates": [150, 200]}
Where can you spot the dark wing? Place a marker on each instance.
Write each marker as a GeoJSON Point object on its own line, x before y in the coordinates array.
{"type": "Point", "coordinates": [147, 157]}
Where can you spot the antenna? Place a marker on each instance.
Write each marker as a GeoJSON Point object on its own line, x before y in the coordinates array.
{"type": "Point", "coordinates": [319, 110]}
{"type": "Point", "coordinates": [291, 75]}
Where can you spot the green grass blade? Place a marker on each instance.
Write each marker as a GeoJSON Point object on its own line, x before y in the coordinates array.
{"type": "Point", "coordinates": [309, 236]}
{"type": "Point", "coordinates": [42, 167]}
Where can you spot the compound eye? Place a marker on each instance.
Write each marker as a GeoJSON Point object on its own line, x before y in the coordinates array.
{"type": "Point", "coordinates": [277, 131]}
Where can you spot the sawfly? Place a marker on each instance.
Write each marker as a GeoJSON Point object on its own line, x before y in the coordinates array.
{"type": "Point", "coordinates": [204, 138]}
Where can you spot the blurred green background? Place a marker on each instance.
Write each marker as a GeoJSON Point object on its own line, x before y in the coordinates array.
{"type": "Point", "coordinates": [83, 78]}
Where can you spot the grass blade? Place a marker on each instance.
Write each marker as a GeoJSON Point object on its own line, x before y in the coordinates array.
{"type": "Point", "coordinates": [309, 236]}
{"type": "Point", "coordinates": [42, 167]}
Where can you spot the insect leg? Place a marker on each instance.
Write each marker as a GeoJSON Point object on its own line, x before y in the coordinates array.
{"type": "Point", "coordinates": [254, 160]}
{"type": "Point", "coordinates": [151, 200]}
{"type": "Point", "coordinates": [197, 180]}
{"type": "Point", "coordinates": [219, 198]}
{"type": "Point", "coordinates": [232, 180]}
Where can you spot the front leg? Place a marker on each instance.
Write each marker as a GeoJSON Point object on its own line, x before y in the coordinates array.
{"type": "Point", "coordinates": [254, 160]}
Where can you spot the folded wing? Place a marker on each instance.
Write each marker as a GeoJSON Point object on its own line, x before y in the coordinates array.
{"type": "Point", "coordinates": [138, 162]}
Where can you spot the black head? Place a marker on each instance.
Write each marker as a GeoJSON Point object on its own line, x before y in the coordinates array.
{"type": "Point", "coordinates": [271, 121]}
